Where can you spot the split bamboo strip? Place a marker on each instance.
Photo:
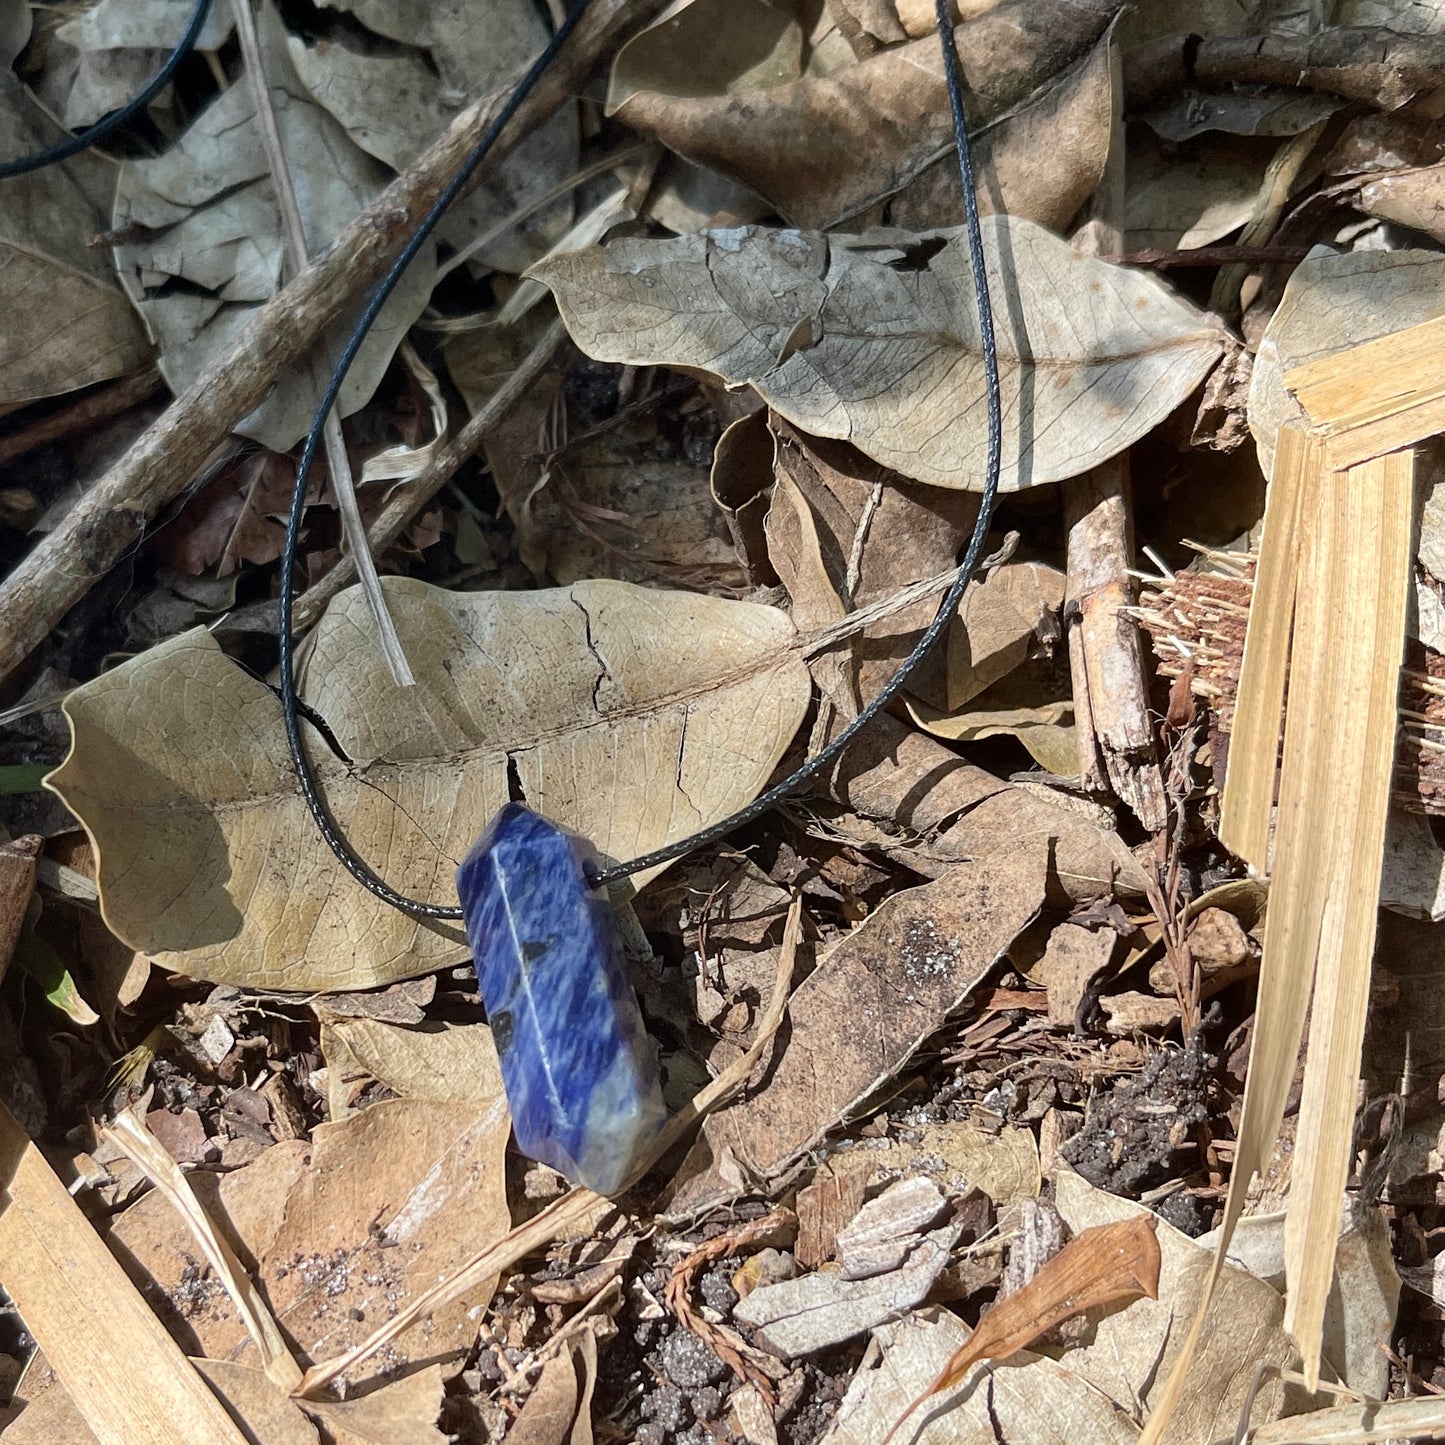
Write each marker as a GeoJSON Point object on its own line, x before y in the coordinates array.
{"type": "Point", "coordinates": [126, 1376]}
{"type": "Point", "coordinates": [1355, 591]}
{"type": "Point", "coordinates": [1378, 397]}
{"type": "Point", "coordinates": [1351, 571]}
{"type": "Point", "coordinates": [1248, 799]}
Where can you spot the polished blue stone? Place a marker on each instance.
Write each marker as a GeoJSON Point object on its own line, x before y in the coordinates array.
{"type": "Point", "coordinates": [580, 1073]}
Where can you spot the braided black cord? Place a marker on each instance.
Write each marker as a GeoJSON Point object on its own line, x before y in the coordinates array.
{"type": "Point", "coordinates": [93, 135]}
{"type": "Point", "coordinates": [826, 756]}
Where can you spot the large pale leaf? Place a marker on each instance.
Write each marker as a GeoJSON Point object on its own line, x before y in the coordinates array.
{"type": "Point", "coordinates": [629, 715]}
{"type": "Point", "coordinates": [874, 338]}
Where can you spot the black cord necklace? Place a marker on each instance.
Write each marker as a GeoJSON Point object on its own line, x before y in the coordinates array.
{"type": "Point", "coordinates": [825, 757]}
{"type": "Point", "coordinates": [93, 135]}
{"type": "Point", "coordinates": [580, 1075]}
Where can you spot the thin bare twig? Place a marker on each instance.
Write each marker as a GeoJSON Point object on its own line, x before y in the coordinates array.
{"type": "Point", "coordinates": [95, 406]}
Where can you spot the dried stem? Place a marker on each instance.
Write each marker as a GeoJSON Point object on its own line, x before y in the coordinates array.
{"type": "Point", "coordinates": [353, 529]}
{"type": "Point", "coordinates": [95, 406]}
{"type": "Point", "coordinates": [407, 500]}
{"type": "Point", "coordinates": [1106, 657]}
{"type": "Point", "coordinates": [113, 514]}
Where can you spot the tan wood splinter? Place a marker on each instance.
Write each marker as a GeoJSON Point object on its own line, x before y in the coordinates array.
{"type": "Point", "coordinates": [126, 1376]}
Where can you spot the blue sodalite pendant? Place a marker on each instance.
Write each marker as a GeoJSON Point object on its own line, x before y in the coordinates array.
{"type": "Point", "coordinates": [580, 1073]}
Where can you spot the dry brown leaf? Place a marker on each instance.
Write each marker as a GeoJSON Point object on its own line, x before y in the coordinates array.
{"type": "Point", "coordinates": [1189, 195]}
{"type": "Point", "coordinates": [864, 131]}
{"type": "Point", "coordinates": [97, 61]}
{"type": "Point", "coordinates": [873, 339]}
{"type": "Point", "coordinates": [342, 1232]}
{"type": "Point", "coordinates": [709, 47]}
{"type": "Point", "coordinates": [85, 331]}
{"type": "Point", "coordinates": [404, 1410]}
{"type": "Point", "coordinates": [1041, 161]}
{"type": "Point", "coordinates": [1130, 1353]}
{"type": "Point", "coordinates": [1002, 618]}
{"type": "Point", "coordinates": [1107, 1265]}
{"type": "Point", "coordinates": [443, 1063]}
{"type": "Point", "coordinates": [1026, 1400]}
{"type": "Point", "coordinates": [861, 1015]}
{"type": "Point", "coordinates": [551, 1408]}
{"type": "Point", "coordinates": [825, 494]}
{"type": "Point", "coordinates": [1073, 958]}
{"type": "Point", "coordinates": [211, 864]}
{"type": "Point", "coordinates": [262, 1408]}
{"type": "Point", "coordinates": [1031, 704]}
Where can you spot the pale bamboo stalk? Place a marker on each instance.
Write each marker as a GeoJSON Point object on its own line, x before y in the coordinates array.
{"type": "Point", "coordinates": [1364, 580]}
{"type": "Point", "coordinates": [1248, 801]}
{"type": "Point", "coordinates": [1377, 397]}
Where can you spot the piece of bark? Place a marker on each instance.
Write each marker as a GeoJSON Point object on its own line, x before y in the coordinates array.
{"type": "Point", "coordinates": [1379, 67]}
{"type": "Point", "coordinates": [1073, 959]}
{"type": "Point", "coordinates": [884, 1232]}
{"type": "Point", "coordinates": [1105, 652]}
{"type": "Point", "coordinates": [802, 1316]}
{"type": "Point", "coordinates": [861, 1015]}
{"type": "Point", "coordinates": [113, 515]}
{"type": "Point", "coordinates": [827, 1204]}
{"type": "Point", "coordinates": [17, 885]}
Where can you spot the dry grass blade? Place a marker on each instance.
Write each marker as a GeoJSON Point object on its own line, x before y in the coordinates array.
{"type": "Point", "coordinates": [353, 529]}
{"type": "Point", "coordinates": [1372, 1422]}
{"type": "Point", "coordinates": [1248, 800]}
{"type": "Point", "coordinates": [1109, 1264]}
{"type": "Point", "coordinates": [577, 1204]}
{"type": "Point", "coordinates": [129, 1133]}
{"type": "Point", "coordinates": [124, 1373]}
